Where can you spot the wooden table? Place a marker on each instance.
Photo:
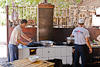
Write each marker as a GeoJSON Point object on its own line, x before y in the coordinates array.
{"type": "Point", "coordinates": [27, 63]}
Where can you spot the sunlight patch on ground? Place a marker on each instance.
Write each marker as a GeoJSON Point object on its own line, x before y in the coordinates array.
{"type": "Point", "coordinates": [3, 34]}
{"type": "Point", "coordinates": [3, 51]}
{"type": "Point", "coordinates": [3, 45]}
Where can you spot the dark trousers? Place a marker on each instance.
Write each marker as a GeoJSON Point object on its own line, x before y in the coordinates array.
{"type": "Point", "coordinates": [83, 51]}
{"type": "Point", "coordinates": [12, 52]}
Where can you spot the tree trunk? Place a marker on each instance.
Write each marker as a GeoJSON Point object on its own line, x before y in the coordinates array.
{"type": "Point", "coordinates": [45, 1]}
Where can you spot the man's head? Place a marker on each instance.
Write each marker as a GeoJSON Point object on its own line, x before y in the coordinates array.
{"type": "Point", "coordinates": [81, 21]}
{"type": "Point", "coordinates": [23, 23]}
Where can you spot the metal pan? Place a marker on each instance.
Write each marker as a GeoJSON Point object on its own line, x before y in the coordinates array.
{"type": "Point", "coordinates": [46, 43]}
{"type": "Point", "coordinates": [34, 44]}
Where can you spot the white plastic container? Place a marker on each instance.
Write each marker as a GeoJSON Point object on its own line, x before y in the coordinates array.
{"type": "Point", "coordinates": [33, 58]}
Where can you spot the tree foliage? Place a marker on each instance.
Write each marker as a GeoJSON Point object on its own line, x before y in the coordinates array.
{"type": "Point", "coordinates": [19, 2]}
{"type": "Point", "coordinates": [58, 3]}
{"type": "Point", "coordinates": [33, 2]}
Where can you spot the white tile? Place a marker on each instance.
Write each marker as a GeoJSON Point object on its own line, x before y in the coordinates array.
{"type": "Point", "coordinates": [69, 51]}
{"type": "Point", "coordinates": [39, 52]}
{"type": "Point", "coordinates": [57, 58]}
{"type": "Point", "coordinates": [51, 52]}
{"type": "Point", "coordinates": [64, 60]}
{"type": "Point", "coordinates": [20, 54]}
{"type": "Point", "coordinates": [57, 52]}
{"type": "Point", "coordinates": [69, 60]}
{"type": "Point", "coordinates": [44, 58]}
{"type": "Point", "coordinates": [51, 58]}
{"type": "Point", "coordinates": [63, 51]}
{"type": "Point", "coordinates": [45, 52]}
{"type": "Point", "coordinates": [40, 58]}
{"type": "Point", "coordinates": [26, 53]}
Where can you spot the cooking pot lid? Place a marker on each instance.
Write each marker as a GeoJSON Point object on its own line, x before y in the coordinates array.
{"type": "Point", "coordinates": [70, 38]}
{"type": "Point", "coordinates": [46, 41]}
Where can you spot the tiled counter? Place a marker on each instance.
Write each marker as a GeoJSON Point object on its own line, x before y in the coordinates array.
{"type": "Point", "coordinates": [49, 53]}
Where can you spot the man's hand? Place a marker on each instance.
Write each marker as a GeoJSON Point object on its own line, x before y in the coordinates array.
{"type": "Point", "coordinates": [90, 50]}
{"type": "Point", "coordinates": [71, 35]}
{"type": "Point", "coordinates": [88, 44]}
{"type": "Point", "coordinates": [30, 40]}
{"type": "Point", "coordinates": [25, 43]}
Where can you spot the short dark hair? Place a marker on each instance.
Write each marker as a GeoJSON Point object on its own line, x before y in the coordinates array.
{"type": "Point", "coordinates": [23, 21]}
{"type": "Point", "coordinates": [81, 23]}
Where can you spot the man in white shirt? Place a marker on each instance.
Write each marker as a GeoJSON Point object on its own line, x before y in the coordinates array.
{"type": "Point", "coordinates": [15, 40]}
{"type": "Point", "coordinates": [82, 43]}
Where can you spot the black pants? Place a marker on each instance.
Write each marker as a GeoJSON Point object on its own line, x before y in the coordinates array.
{"type": "Point", "coordinates": [83, 51]}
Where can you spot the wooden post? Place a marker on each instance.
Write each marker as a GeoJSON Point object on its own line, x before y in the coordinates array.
{"type": "Point", "coordinates": [22, 12]}
{"type": "Point", "coordinates": [66, 18]}
{"type": "Point", "coordinates": [45, 1]}
{"type": "Point", "coordinates": [7, 21]}
{"type": "Point", "coordinates": [58, 22]}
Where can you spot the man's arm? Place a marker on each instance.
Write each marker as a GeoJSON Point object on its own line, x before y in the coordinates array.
{"type": "Point", "coordinates": [25, 37]}
{"type": "Point", "coordinates": [88, 44]}
{"type": "Point", "coordinates": [19, 41]}
{"type": "Point", "coordinates": [71, 35]}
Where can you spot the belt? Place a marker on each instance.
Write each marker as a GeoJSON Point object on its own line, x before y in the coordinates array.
{"type": "Point", "coordinates": [81, 44]}
{"type": "Point", "coordinates": [15, 45]}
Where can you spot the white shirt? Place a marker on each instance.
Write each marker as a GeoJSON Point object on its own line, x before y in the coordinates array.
{"type": "Point", "coordinates": [80, 35]}
{"type": "Point", "coordinates": [16, 33]}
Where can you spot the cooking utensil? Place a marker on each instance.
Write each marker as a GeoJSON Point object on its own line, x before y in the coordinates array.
{"type": "Point", "coordinates": [34, 44]}
{"type": "Point", "coordinates": [58, 43]}
{"type": "Point", "coordinates": [47, 43]}
{"type": "Point", "coordinates": [70, 40]}
{"type": "Point", "coordinates": [64, 43]}
{"type": "Point", "coordinates": [97, 42]}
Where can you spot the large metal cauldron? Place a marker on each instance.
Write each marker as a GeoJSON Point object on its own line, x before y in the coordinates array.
{"type": "Point", "coordinates": [47, 43]}
{"type": "Point", "coordinates": [70, 40]}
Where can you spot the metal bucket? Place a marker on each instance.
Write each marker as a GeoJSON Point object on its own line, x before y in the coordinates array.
{"type": "Point", "coordinates": [70, 40]}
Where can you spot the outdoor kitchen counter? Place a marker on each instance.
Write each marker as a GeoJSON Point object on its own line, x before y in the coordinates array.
{"type": "Point", "coordinates": [95, 45]}
{"type": "Point", "coordinates": [48, 53]}
{"type": "Point", "coordinates": [62, 52]}
{"type": "Point", "coordinates": [24, 47]}
{"type": "Point", "coordinates": [27, 63]}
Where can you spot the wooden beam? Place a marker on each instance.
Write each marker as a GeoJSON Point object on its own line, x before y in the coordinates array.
{"type": "Point", "coordinates": [7, 21]}
{"type": "Point", "coordinates": [45, 1]}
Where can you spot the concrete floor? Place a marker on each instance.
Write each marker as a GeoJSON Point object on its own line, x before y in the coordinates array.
{"type": "Point", "coordinates": [3, 45]}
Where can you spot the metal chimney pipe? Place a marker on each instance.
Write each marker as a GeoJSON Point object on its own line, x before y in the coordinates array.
{"type": "Point", "coordinates": [45, 21]}
{"type": "Point", "coordinates": [45, 1]}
